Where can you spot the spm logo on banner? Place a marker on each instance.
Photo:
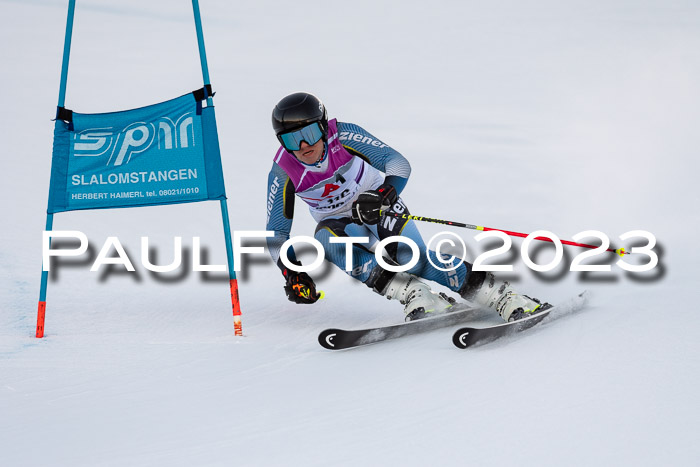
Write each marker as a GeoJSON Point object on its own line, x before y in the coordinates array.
{"type": "Point", "coordinates": [152, 155]}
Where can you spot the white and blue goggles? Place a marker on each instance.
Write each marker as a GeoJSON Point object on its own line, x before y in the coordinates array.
{"type": "Point", "coordinates": [310, 133]}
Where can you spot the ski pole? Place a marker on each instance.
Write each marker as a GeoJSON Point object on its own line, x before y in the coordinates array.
{"type": "Point", "coordinates": [619, 251]}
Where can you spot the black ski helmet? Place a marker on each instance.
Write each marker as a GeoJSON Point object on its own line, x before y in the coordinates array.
{"type": "Point", "coordinates": [298, 110]}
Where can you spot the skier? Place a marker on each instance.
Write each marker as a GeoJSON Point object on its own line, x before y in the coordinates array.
{"type": "Point", "coordinates": [349, 178]}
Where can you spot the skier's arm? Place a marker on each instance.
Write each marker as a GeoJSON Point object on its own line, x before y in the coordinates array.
{"type": "Point", "coordinates": [280, 212]}
{"type": "Point", "coordinates": [299, 287]}
{"type": "Point", "coordinates": [383, 157]}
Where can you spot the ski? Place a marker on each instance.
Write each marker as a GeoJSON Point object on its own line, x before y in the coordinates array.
{"type": "Point", "coordinates": [337, 339]}
{"type": "Point", "coordinates": [467, 337]}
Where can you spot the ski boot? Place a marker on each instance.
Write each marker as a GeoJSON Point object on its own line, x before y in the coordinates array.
{"type": "Point", "coordinates": [418, 300]}
{"type": "Point", "coordinates": [484, 289]}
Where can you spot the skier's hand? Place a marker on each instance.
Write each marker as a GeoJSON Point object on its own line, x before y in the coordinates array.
{"type": "Point", "coordinates": [365, 210]}
{"type": "Point", "coordinates": [300, 288]}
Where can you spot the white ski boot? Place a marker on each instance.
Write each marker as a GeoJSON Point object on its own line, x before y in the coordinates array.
{"type": "Point", "coordinates": [500, 296]}
{"type": "Point", "coordinates": [417, 297]}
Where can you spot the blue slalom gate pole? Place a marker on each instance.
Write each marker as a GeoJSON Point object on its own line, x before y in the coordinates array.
{"type": "Point", "coordinates": [202, 51]}
{"type": "Point", "coordinates": [66, 53]}
{"type": "Point", "coordinates": [233, 282]}
{"type": "Point", "coordinates": [41, 313]}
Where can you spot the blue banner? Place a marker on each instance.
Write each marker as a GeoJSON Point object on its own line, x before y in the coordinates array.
{"type": "Point", "coordinates": [161, 154]}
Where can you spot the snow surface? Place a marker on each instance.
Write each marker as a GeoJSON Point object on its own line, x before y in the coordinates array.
{"type": "Point", "coordinates": [557, 115]}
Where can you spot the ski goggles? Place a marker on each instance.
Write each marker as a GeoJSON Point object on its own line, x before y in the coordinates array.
{"type": "Point", "coordinates": [310, 133]}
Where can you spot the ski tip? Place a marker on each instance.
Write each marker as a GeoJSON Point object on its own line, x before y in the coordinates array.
{"type": "Point", "coordinates": [461, 338]}
{"type": "Point", "coordinates": [621, 252]}
{"type": "Point", "coordinates": [321, 294]}
{"type": "Point", "coordinates": [327, 339]}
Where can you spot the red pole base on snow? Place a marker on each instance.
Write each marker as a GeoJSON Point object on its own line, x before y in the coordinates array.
{"type": "Point", "coordinates": [238, 327]}
{"type": "Point", "coordinates": [41, 315]}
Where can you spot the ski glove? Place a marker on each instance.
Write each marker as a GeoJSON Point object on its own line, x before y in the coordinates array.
{"type": "Point", "coordinates": [300, 288]}
{"type": "Point", "coordinates": [365, 210]}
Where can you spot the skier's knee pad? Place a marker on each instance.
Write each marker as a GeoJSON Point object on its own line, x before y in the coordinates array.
{"type": "Point", "coordinates": [335, 226]}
